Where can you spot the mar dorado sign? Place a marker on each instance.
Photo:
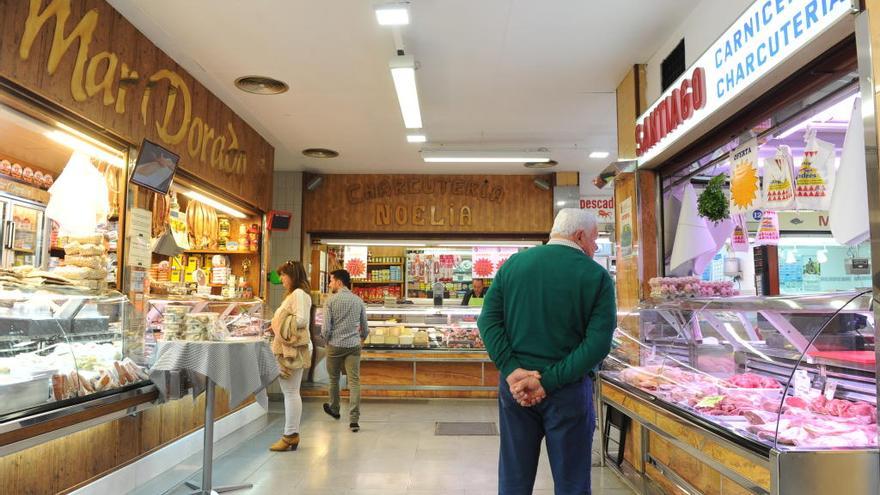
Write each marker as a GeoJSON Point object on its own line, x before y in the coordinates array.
{"type": "Point", "coordinates": [87, 58]}
{"type": "Point", "coordinates": [767, 34]}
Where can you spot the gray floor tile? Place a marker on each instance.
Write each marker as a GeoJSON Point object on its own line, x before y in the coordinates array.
{"type": "Point", "coordinates": [396, 453]}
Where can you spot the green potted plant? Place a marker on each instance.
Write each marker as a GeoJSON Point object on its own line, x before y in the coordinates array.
{"type": "Point", "coordinates": [712, 203]}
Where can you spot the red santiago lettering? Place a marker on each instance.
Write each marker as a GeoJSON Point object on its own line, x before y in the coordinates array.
{"type": "Point", "coordinates": [595, 204]}
{"type": "Point", "coordinates": [672, 111]}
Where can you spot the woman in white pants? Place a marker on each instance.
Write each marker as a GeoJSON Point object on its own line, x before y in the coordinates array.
{"type": "Point", "coordinates": [291, 344]}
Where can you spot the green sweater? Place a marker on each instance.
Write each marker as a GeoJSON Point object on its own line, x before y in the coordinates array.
{"type": "Point", "coordinates": [552, 309]}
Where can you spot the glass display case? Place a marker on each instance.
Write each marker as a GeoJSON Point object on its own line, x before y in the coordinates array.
{"type": "Point", "coordinates": [424, 327]}
{"type": "Point", "coordinates": [60, 348]}
{"type": "Point", "coordinates": [777, 380]}
{"type": "Point", "coordinates": [196, 318]}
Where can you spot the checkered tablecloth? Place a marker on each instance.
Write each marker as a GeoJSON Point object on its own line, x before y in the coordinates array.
{"type": "Point", "coordinates": [241, 367]}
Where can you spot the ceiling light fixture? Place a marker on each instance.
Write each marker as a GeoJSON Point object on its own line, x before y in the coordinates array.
{"type": "Point", "coordinates": [261, 85]}
{"type": "Point", "coordinates": [442, 156]}
{"type": "Point", "coordinates": [369, 242]}
{"type": "Point", "coordinates": [547, 164]}
{"type": "Point", "coordinates": [600, 154]}
{"type": "Point", "coordinates": [89, 148]}
{"type": "Point", "coordinates": [212, 202]}
{"type": "Point", "coordinates": [416, 138]}
{"type": "Point", "coordinates": [403, 72]}
{"type": "Point", "coordinates": [393, 14]}
{"type": "Point", "coordinates": [320, 153]}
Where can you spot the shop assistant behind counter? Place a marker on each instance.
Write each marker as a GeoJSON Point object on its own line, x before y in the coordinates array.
{"type": "Point", "coordinates": [474, 297]}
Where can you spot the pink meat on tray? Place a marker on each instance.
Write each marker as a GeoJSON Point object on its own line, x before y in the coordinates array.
{"type": "Point", "coordinates": [751, 380]}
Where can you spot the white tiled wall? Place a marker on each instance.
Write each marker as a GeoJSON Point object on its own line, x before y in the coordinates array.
{"type": "Point", "coordinates": [285, 245]}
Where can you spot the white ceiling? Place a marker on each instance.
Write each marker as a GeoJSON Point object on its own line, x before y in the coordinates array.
{"type": "Point", "coordinates": [494, 74]}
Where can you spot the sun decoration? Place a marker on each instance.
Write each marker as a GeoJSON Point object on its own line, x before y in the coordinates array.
{"type": "Point", "coordinates": [744, 186]}
{"type": "Point", "coordinates": [356, 267]}
{"type": "Point", "coordinates": [483, 267]}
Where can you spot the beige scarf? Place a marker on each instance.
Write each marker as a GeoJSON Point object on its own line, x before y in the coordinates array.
{"type": "Point", "coordinates": [291, 346]}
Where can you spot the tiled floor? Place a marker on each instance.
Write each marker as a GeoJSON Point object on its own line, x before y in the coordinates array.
{"type": "Point", "coordinates": [395, 453]}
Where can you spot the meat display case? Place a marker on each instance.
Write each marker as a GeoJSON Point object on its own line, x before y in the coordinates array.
{"type": "Point", "coordinates": [744, 395]}
{"type": "Point", "coordinates": [63, 353]}
{"type": "Point", "coordinates": [426, 351]}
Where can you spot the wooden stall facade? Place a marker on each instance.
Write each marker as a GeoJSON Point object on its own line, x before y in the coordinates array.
{"type": "Point", "coordinates": [82, 61]}
{"type": "Point", "coordinates": [413, 207]}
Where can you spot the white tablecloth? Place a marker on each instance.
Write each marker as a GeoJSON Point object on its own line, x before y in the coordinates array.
{"type": "Point", "coordinates": [241, 367]}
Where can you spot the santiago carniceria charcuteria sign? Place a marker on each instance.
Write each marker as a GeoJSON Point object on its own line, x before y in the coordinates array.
{"type": "Point", "coordinates": [767, 33]}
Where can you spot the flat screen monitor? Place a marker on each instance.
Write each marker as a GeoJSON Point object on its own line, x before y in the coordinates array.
{"type": "Point", "coordinates": [155, 167]}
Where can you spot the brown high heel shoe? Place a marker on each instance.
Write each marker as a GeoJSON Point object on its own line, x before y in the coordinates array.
{"type": "Point", "coordinates": [287, 442]}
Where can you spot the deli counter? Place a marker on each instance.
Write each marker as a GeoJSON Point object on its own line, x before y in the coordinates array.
{"type": "Point", "coordinates": [426, 351]}
{"type": "Point", "coordinates": [64, 352]}
{"type": "Point", "coordinates": [744, 395]}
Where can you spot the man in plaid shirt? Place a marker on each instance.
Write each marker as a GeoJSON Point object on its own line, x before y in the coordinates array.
{"type": "Point", "coordinates": [344, 330]}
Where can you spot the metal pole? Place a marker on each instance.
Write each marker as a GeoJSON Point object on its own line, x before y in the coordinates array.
{"type": "Point", "coordinates": [208, 457]}
{"type": "Point", "coordinates": [869, 119]}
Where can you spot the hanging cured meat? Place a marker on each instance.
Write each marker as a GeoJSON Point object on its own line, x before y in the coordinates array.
{"type": "Point", "coordinates": [203, 224]}
{"type": "Point", "coordinates": [161, 207]}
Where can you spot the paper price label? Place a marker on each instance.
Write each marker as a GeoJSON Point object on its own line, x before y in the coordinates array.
{"type": "Point", "coordinates": [802, 384]}
{"type": "Point", "coordinates": [830, 388]}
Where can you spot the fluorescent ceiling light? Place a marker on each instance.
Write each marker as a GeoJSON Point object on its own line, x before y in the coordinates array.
{"type": "Point", "coordinates": [600, 154]}
{"type": "Point", "coordinates": [441, 156]}
{"type": "Point", "coordinates": [517, 244]}
{"type": "Point", "coordinates": [416, 138]}
{"type": "Point", "coordinates": [367, 242]}
{"type": "Point", "coordinates": [560, 203]}
{"type": "Point", "coordinates": [393, 14]}
{"type": "Point", "coordinates": [89, 148]}
{"type": "Point", "coordinates": [213, 203]}
{"type": "Point", "coordinates": [403, 72]}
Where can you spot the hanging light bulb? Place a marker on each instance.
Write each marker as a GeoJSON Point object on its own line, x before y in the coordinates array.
{"type": "Point", "coordinates": [790, 258]}
{"type": "Point", "coordinates": [822, 255]}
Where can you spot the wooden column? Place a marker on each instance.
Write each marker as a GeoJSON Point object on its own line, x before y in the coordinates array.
{"type": "Point", "coordinates": [639, 190]}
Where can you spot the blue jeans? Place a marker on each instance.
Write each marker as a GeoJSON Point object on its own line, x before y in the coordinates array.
{"type": "Point", "coordinates": [567, 419]}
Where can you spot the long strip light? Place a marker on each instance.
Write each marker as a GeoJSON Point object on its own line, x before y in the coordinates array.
{"type": "Point", "coordinates": [403, 72]}
{"type": "Point", "coordinates": [393, 14]}
{"type": "Point", "coordinates": [365, 242]}
{"type": "Point", "coordinates": [78, 144]}
{"type": "Point", "coordinates": [212, 202]}
{"type": "Point", "coordinates": [441, 156]}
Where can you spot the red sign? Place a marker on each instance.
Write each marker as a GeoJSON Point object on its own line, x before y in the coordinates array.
{"type": "Point", "coordinates": [603, 207]}
{"type": "Point", "coordinates": [672, 111]}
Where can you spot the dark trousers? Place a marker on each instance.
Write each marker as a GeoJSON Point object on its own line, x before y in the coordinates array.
{"type": "Point", "coordinates": [567, 419]}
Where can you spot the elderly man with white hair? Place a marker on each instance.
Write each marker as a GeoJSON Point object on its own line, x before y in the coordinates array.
{"type": "Point", "coordinates": [547, 322]}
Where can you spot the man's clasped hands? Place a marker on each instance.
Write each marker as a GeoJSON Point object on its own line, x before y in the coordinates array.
{"type": "Point", "coordinates": [525, 387]}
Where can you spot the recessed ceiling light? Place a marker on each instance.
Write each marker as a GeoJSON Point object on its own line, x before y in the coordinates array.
{"type": "Point", "coordinates": [261, 85]}
{"type": "Point", "coordinates": [560, 203]}
{"type": "Point", "coordinates": [549, 164]}
{"type": "Point", "coordinates": [600, 154]}
{"type": "Point", "coordinates": [393, 14]}
{"type": "Point", "coordinates": [416, 138]}
{"type": "Point", "coordinates": [320, 153]}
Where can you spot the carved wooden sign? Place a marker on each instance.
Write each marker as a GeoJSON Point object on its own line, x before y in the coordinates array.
{"type": "Point", "coordinates": [84, 56]}
{"type": "Point", "coordinates": [427, 204]}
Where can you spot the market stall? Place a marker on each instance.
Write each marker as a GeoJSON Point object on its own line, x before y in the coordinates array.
{"type": "Point", "coordinates": [744, 361]}
{"type": "Point", "coordinates": [76, 243]}
{"type": "Point", "coordinates": [414, 246]}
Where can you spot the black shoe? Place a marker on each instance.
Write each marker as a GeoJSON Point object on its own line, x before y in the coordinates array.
{"type": "Point", "coordinates": [354, 427]}
{"type": "Point", "coordinates": [330, 412]}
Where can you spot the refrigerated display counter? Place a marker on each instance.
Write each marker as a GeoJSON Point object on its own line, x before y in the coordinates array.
{"type": "Point", "coordinates": [426, 351]}
{"type": "Point", "coordinates": [744, 395]}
